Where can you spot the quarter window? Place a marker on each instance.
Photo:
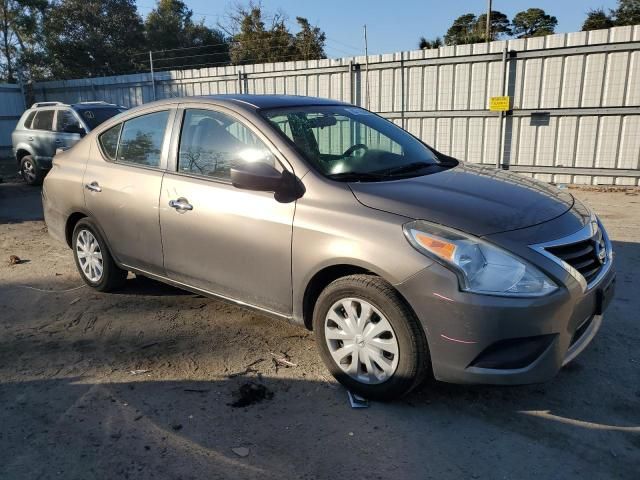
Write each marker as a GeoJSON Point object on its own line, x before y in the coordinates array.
{"type": "Point", "coordinates": [29, 120]}
{"type": "Point", "coordinates": [211, 142]}
{"type": "Point", "coordinates": [141, 139]}
{"type": "Point", "coordinates": [109, 141]}
{"type": "Point", "coordinates": [43, 120]}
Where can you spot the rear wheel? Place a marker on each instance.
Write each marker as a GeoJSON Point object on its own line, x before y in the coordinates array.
{"type": "Point", "coordinates": [94, 262]}
{"type": "Point", "coordinates": [30, 172]}
{"type": "Point", "coordinates": [369, 338]}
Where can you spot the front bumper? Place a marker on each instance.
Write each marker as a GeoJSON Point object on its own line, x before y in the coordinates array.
{"type": "Point", "coordinates": [501, 340]}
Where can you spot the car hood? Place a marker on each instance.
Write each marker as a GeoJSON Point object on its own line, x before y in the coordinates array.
{"type": "Point", "coordinates": [475, 199]}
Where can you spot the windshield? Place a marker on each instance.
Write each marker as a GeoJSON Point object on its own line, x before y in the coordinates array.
{"type": "Point", "coordinates": [94, 116]}
{"type": "Point", "coordinates": [352, 144]}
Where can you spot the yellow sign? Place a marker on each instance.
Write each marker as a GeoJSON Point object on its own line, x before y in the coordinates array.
{"type": "Point", "coordinates": [499, 104]}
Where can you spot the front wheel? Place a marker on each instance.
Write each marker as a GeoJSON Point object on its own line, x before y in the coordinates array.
{"type": "Point", "coordinates": [369, 338]}
{"type": "Point", "coordinates": [94, 262]}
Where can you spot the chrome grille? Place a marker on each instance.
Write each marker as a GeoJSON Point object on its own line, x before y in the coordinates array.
{"type": "Point", "coordinates": [586, 256]}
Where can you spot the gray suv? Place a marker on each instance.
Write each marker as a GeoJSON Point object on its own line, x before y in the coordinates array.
{"type": "Point", "coordinates": [405, 262]}
{"type": "Point", "coordinates": [49, 126]}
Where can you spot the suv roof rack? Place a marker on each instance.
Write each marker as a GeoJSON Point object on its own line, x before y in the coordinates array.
{"type": "Point", "coordinates": [45, 104]}
{"type": "Point", "coordinates": [94, 102]}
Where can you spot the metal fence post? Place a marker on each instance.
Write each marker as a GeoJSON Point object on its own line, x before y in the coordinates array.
{"type": "Point", "coordinates": [153, 79]}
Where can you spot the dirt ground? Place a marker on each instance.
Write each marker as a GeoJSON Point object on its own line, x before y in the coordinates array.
{"type": "Point", "coordinates": [140, 384]}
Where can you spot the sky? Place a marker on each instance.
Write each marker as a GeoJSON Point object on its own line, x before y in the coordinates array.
{"type": "Point", "coordinates": [392, 25]}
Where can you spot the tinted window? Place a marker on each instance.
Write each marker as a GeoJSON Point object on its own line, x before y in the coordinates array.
{"type": "Point", "coordinates": [27, 122]}
{"type": "Point", "coordinates": [141, 139]}
{"type": "Point", "coordinates": [211, 142]}
{"type": "Point", "coordinates": [66, 119]}
{"type": "Point", "coordinates": [109, 141]}
{"type": "Point", "coordinates": [95, 116]}
{"type": "Point", "coordinates": [43, 120]}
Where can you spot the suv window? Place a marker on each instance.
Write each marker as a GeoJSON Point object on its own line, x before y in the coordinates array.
{"type": "Point", "coordinates": [109, 141]}
{"type": "Point", "coordinates": [43, 120]}
{"type": "Point", "coordinates": [65, 119]}
{"type": "Point", "coordinates": [29, 119]}
{"type": "Point", "coordinates": [210, 142]}
{"type": "Point", "coordinates": [141, 139]}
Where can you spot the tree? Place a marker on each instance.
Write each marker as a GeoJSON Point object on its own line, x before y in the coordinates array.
{"type": "Point", "coordinates": [597, 19]}
{"type": "Point", "coordinates": [463, 31]}
{"type": "Point", "coordinates": [500, 25]}
{"type": "Point", "coordinates": [20, 31]}
{"type": "Point", "coordinates": [425, 44]}
{"type": "Point", "coordinates": [170, 26]}
{"type": "Point", "coordinates": [86, 38]}
{"type": "Point", "coordinates": [258, 38]}
{"type": "Point", "coordinates": [627, 13]}
{"type": "Point", "coordinates": [533, 22]}
{"type": "Point", "coordinates": [309, 41]}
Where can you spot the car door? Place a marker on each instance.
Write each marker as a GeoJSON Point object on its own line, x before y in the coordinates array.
{"type": "Point", "coordinates": [231, 242]}
{"type": "Point", "coordinates": [42, 138]}
{"type": "Point", "coordinates": [67, 129]}
{"type": "Point", "coordinates": [122, 186]}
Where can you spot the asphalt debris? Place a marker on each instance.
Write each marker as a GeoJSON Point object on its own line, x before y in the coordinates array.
{"type": "Point", "coordinates": [250, 393]}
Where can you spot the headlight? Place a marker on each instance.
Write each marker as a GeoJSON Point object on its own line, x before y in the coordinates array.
{"type": "Point", "coordinates": [480, 266]}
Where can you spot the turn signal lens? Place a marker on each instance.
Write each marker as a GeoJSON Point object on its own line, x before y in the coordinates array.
{"type": "Point", "coordinates": [441, 248]}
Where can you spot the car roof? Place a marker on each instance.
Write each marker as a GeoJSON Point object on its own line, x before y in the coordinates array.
{"type": "Point", "coordinates": [245, 101]}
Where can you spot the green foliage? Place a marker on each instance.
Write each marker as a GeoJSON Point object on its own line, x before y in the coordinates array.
{"type": "Point", "coordinates": [425, 44]}
{"type": "Point", "coordinates": [21, 38]}
{"type": "Point", "coordinates": [170, 26]}
{"type": "Point", "coordinates": [85, 38]}
{"type": "Point", "coordinates": [258, 39]}
{"type": "Point", "coordinates": [627, 13]}
{"type": "Point", "coordinates": [597, 19]}
{"type": "Point", "coordinates": [533, 22]}
{"type": "Point", "coordinates": [468, 28]}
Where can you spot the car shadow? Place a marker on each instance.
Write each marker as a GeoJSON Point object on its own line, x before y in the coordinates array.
{"type": "Point", "coordinates": [19, 203]}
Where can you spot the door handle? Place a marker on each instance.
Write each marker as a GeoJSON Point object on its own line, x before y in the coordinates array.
{"type": "Point", "coordinates": [30, 139]}
{"type": "Point", "coordinates": [181, 204]}
{"type": "Point", "coordinates": [93, 186]}
{"type": "Point", "coordinates": [58, 141]}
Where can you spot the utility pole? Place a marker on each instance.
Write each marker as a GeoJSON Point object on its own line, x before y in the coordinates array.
{"type": "Point", "coordinates": [487, 34]}
{"type": "Point", "coordinates": [153, 80]}
{"type": "Point", "coordinates": [366, 70]}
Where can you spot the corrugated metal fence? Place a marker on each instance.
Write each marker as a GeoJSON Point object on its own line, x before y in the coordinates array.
{"type": "Point", "coordinates": [575, 114]}
{"type": "Point", "coordinates": [11, 107]}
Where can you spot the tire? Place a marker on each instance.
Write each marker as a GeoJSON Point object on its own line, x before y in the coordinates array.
{"type": "Point", "coordinates": [87, 239]}
{"type": "Point", "coordinates": [30, 172]}
{"type": "Point", "coordinates": [379, 374]}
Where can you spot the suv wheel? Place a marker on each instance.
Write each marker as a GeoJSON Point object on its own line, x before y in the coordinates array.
{"type": "Point", "coordinates": [94, 262]}
{"type": "Point", "coordinates": [30, 172]}
{"type": "Point", "coordinates": [369, 339]}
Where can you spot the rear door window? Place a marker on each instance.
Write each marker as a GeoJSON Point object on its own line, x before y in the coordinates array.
{"type": "Point", "coordinates": [141, 139]}
{"type": "Point", "coordinates": [43, 120]}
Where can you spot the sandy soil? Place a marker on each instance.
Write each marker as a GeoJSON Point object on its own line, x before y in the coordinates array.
{"type": "Point", "coordinates": [140, 384]}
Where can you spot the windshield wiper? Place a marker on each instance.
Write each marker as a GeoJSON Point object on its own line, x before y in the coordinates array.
{"type": "Point", "coordinates": [357, 176]}
{"type": "Point", "coordinates": [406, 168]}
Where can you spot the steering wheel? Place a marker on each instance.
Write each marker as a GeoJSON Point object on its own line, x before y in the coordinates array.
{"type": "Point", "coordinates": [358, 146]}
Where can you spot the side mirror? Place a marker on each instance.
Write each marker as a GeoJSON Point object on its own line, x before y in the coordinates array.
{"type": "Point", "coordinates": [74, 128]}
{"type": "Point", "coordinates": [258, 176]}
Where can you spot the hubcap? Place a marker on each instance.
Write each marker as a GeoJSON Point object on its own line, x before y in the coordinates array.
{"type": "Point", "coordinates": [361, 341]}
{"type": "Point", "coordinates": [28, 171]}
{"type": "Point", "coordinates": [89, 256]}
